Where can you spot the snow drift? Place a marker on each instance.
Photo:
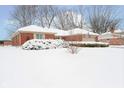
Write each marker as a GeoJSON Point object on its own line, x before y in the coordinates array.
{"type": "Point", "coordinates": [56, 68]}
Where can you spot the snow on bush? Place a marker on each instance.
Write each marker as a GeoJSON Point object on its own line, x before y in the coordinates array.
{"type": "Point", "coordinates": [89, 44]}
{"type": "Point", "coordinates": [73, 49]}
{"type": "Point", "coordinates": [37, 44]}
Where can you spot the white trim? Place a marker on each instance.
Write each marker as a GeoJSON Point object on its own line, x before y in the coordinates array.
{"type": "Point", "coordinates": [43, 36]}
{"type": "Point", "coordinates": [34, 35]}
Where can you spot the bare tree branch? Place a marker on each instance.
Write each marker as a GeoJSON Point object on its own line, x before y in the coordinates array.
{"type": "Point", "coordinates": [103, 19]}
{"type": "Point", "coordinates": [46, 15]}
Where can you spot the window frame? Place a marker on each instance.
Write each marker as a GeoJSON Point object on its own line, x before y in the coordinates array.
{"type": "Point", "coordinates": [39, 36]}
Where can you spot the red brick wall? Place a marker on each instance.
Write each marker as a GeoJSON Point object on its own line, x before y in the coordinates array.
{"type": "Point", "coordinates": [25, 37]}
{"type": "Point", "coordinates": [6, 43]}
{"type": "Point", "coordinates": [21, 38]}
{"type": "Point", "coordinates": [15, 40]}
{"type": "Point", "coordinates": [49, 36]}
{"type": "Point", "coordinates": [79, 38]}
{"type": "Point", "coordinates": [72, 38]}
{"type": "Point", "coordinates": [117, 41]}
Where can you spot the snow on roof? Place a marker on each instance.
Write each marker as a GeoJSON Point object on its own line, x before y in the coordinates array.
{"type": "Point", "coordinates": [57, 32]}
{"type": "Point", "coordinates": [82, 31]}
{"type": "Point", "coordinates": [5, 40]}
{"type": "Point", "coordinates": [115, 31]}
{"type": "Point", "coordinates": [75, 31]}
{"type": "Point", "coordinates": [34, 28]}
{"type": "Point", "coordinates": [119, 31]}
{"type": "Point", "coordinates": [62, 33]}
{"type": "Point", "coordinates": [107, 35]}
{"type": "Point", "coordinates": [30, 28]}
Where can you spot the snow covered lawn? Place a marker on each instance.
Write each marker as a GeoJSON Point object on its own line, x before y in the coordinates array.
{"type": "Point", "coordinates": [91, 67]}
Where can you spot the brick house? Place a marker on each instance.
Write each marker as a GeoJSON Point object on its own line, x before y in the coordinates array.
{"type": "Point", "coordinates": [35, 32]}
{"type": "Point", "coordinates": [5, 42]}
{"type": "Point", "coordinates": [31, 32]}
{"type": "Point", "coordinates": [115, 37]}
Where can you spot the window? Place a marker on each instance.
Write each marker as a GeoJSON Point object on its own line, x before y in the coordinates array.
{"type": "Point", "coordinates": [39, 36]}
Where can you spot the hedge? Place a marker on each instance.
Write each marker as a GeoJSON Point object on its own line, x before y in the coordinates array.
{"type": "Point", "coordinates": [89, 44]}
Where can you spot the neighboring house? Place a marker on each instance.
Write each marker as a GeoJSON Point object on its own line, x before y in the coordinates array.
{"type": "Point", "coordinates": [5, 42]}
{"type": "Point", "coordinates": [113, 38]}
{"type": "Point", "coordinates": [35, 32]}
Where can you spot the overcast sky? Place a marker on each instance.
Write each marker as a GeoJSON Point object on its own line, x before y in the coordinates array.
{"type": "Point", "coordinates": [5, 15]}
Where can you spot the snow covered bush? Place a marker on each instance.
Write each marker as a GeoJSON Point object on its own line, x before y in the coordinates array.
{"type": "Point", "coordinates": [37, 44]}
{"type": "Point", "coordinates": [73, 49]}
{"type": "Point", "coordinates": [89, 44]}
{"type": "Point", "coordinates": [75, 46]}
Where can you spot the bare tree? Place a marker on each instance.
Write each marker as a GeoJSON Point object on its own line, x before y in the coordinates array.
{"type": "Point", "coordinates": [46, 15]}
{"type": "Point", "coordinates": [73, 47]}
{"type": "Point", "coordinates": [60, 20]}
{"type": "Point", "coordinates": [68, 19]}
{"type": "Point", "coordinates": [103, 19]}
{"type": "Point", "coordinates": [82, 11]}
{"type": "Point", "coordinates": [23, 15]}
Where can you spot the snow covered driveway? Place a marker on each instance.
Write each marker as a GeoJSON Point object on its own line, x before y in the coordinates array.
{"type": "Point", "coordinates": [91, 67]}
